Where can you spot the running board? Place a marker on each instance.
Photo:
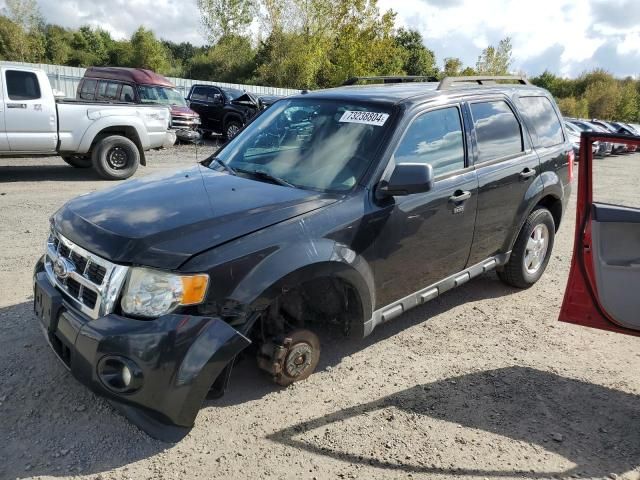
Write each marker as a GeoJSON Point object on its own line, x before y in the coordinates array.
{"type": "Point", "coordinates": [420, 297]}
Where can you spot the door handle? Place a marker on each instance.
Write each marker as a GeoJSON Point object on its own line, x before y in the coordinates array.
{"type": "Point", "coordinates": [460, 196]}
{"type": "Point", "coordinates": [527, 173]}
{"type": "Point", "coordinates": [16, 105]}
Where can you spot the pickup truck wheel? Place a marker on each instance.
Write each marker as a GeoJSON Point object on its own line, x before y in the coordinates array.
{"type": "Point", "coordinates": [116, 157]}
{"type": "Point", "coordinates": [231, 129]}
{"type": "Point", "coordinates": [78, 161]}
{"type": "Point", "coordinates": [531, 251]}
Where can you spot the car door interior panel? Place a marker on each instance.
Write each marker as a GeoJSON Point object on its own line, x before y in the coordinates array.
{"type": "Point", "coordinates": [616, 244]}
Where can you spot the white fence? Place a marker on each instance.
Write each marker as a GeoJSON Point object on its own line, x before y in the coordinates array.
{"type": "Point", "coordinates": [66, 79]}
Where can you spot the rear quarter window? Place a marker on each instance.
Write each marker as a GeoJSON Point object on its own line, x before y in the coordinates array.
{"type": "Point", "coordinates": [88, 90]}
{"type": "Point", "coordinates": [108, 90]}
{"type": "Point", "coordinates": [542, 120]}
{"type": "Point", "coordinates": [22, 85]}
{"type": "Point", "coordinates": [498, 131]}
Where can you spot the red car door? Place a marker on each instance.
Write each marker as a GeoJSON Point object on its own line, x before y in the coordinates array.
{"type": "Point", "coordinates": [603, 290]}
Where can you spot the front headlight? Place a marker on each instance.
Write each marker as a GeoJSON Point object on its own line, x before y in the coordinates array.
{"type": "Point", "coordinates": [152, 293]}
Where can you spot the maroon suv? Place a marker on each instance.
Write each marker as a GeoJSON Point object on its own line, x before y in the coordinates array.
{"type": "Point", "coordinates": [136, 85]}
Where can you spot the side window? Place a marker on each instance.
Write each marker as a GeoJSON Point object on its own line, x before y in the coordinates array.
{"type": "Point", "coordinates": [497, 130]}
{"type": "Point", "coordinates": [127, 95]}
{"type": "Point", "coordinates": [211, 94]}
{"type": "Point", "coordinates": [88, 90]}
{"type": "Point", "coordinates": [22, 85]}
{"type": "Point", "coordinates": [539, 114]}
{"type": "Point", "coordinates": [199, 94]}
{"type": "Point", "coordinates": [435, 138]}
{"type": "Point", "coordinates": [108, 90]}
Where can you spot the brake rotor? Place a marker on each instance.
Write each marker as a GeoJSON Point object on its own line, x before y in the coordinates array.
{"type": "Point", "coordinates": [301, 357]}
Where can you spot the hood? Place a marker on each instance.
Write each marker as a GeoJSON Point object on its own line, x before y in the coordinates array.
{"type": "Point", "coordinates": [182, 111]}
{"type": "Point", "coordinates": [247, 99]}
{"type": "Point", "coordinates": [163, 220]}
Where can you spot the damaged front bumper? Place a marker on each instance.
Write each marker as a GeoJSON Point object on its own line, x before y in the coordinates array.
{"type": "Point", "coordinates": [171, 362]}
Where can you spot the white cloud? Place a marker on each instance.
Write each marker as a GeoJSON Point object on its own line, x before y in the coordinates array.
{"type": "Point", "coordinates": [579, 27]}
{"type": "Point", "coordinates": [564, 36]}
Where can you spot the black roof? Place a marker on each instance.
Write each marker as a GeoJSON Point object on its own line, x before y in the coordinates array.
{"type": "Point", "coordinates": [412, 92]}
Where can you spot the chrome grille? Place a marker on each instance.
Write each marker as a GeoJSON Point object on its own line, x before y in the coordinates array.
{"type": "Point", "coordinates": [89, 281]}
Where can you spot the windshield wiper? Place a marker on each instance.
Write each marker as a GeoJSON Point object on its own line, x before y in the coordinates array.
{"type": "Point", "coordinates": [261, 174]}
{"type": "Point", "coordinates": [224, 165]}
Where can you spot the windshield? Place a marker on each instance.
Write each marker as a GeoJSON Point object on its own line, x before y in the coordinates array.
{"type": "Point", "coordinates": [316, 144]}
{"type": "Point", "coordinates": [161, 95]}
{"type": "Point", "coordinates": [232, 93]}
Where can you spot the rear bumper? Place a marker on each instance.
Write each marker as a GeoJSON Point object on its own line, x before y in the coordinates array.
{"type": "Point", "coordinates": [174, 359]}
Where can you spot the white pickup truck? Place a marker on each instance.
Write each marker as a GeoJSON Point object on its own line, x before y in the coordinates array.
{"type": "Point", "coordinates": [109, 137]}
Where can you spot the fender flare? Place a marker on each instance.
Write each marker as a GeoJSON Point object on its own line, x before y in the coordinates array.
{"type": "Point", "coordinates": [547, 184]}
{"type": "Point", "coordinates": [299, 263]}
{"type": "Point", "coordinates": [114, 123]}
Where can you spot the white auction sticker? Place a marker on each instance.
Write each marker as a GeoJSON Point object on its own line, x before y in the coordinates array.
{"type": "Point", "coordinates": [367, 118]}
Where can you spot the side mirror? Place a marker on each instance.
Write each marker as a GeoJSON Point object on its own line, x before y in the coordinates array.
{"type": "Point", "coordinates": [406, 179]}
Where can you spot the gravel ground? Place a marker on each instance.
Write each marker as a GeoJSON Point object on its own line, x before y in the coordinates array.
{"type": "Point", "coordinates": [480, 383]}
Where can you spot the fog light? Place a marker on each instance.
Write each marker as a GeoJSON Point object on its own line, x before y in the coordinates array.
{"type": "Point", "coordinates": [119, 374]}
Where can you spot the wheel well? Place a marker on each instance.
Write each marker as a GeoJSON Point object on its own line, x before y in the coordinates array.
{"type": "Point", "coordinates": [554, 205]}
{"type": "Point", "coordinates": [232, 116]}
{"type": "Point", "coordinates": [320, 302]}
{"type": "Point", "coordinates": [124, 131]}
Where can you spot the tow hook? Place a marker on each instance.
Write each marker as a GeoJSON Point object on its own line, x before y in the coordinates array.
{"type": "Point", "coordinates": [291, 360]}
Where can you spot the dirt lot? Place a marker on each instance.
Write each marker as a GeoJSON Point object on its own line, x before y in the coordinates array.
{"type": "Point", "coordinates": [481, 383]}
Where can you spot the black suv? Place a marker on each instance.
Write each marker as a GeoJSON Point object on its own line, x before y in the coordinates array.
{"type": "Point", "coordinates": [342, 208]}
{"type": "Point", "coordinates": [225, 110]}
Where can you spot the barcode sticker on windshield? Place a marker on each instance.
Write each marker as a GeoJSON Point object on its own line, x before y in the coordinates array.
{"type": "Point", "coordinates": [368, 118]}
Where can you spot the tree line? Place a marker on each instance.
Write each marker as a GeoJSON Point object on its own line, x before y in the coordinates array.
{"type": "Point", "coordinates": [305, 44]}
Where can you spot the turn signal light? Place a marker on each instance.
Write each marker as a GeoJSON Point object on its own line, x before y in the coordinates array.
{"type": "Point", "coordinates": [194, 288]}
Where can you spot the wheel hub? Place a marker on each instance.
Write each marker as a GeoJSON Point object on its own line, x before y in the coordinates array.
{"type": "Point", "coordinates": [232, 130]}
{"type": "Point", "coordinates": [117, 158]}
{"type": "Point", "coordinates": [536, 250]}
{"type": "Point", "coordinates": [298, 359]}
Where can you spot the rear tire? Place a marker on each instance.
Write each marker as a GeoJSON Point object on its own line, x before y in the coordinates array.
{"type": "Point", "coordinates": [115, 157]}
{"type": "Point", "coordinates": [532, 250]}
{"type": "Point", "coordinates": [78, 161]}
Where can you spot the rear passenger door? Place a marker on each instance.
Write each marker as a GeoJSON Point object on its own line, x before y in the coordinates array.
{"type": "Point", "coordinates": [426, 237]}
{"type": "Point", "coordinates": [508, 171]}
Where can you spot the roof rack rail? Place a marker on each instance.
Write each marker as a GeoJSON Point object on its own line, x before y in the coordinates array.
{"type": "Point", "coordinates": [447, 82]}
{"type": "Point", "coordinates": [391, 79]}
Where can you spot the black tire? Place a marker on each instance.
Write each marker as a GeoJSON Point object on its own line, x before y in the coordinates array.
{"type": "Point", "coordinates": [115, 157]}
{"type": "Point", "coordinates": [516, 272]}
{"type": "Point", "coordinates": [231, 129]}
{"type": "Point", "coordinates": [78, 161]}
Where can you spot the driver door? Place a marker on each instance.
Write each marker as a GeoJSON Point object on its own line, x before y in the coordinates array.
{"type": "Point", "coordinates": [427, 237]}
{"type": "Point", "coordinates": [604, 281]}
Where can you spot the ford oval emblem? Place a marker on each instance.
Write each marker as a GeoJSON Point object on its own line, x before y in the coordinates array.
{"type": "Point", "coordinates": [63, 268]}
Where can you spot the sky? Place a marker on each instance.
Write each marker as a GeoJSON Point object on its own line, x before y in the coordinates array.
{"type": "Point", "coordinates": [566, 37]}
